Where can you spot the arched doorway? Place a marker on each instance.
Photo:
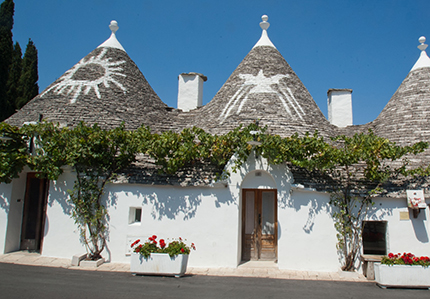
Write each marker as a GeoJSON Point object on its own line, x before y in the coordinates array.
{"type": "Point", "coordinates": [259, 217]}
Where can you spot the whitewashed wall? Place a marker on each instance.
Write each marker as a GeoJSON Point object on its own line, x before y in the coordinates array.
{"type": "Point", "coordinates": [12, 205]}
{"type": "Point", "coordinates": [210, 217]}
{"type": "Point", "coordinates": [304, 218]}
{"type": "Point", "coordinates": [411, 235]}
{"type": "Point", "coordinates": [61, 235]}
{"type": "Point", "coordinates": [307, 237]}
{"type": "Point", "coordinates": [5, 194]}
{"type": "Point", "coordinates": [194, 214]}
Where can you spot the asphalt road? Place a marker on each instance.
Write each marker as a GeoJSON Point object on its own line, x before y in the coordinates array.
{"type": "Point", "coordinates": [18, 281]}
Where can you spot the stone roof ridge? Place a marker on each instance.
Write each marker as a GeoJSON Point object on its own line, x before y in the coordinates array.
{"type": "Point", "coordinates": [112, 41]}
{"type": "Point", "coordinates": [264, 39]}
{"type": "Point", "coordinates": [424, 60]}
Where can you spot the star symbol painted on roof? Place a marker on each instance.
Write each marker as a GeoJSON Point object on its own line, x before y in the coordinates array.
{"type": "Point", "coordinates": [77, 80]}
{"type": "Point", "coordinates": [262, 84]}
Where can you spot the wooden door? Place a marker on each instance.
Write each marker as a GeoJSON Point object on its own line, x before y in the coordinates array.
{"type": "Point", "coordinates": [34, 212]}
{"type": "Point", "coordinates": [259, 224]}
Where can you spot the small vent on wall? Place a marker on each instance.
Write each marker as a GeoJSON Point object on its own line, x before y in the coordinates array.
{"type": "Point", "coordinates": [258, 173]}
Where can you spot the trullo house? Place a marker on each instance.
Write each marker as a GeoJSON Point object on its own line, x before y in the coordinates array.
{"type": "Point", "coordinates": [288, 207]}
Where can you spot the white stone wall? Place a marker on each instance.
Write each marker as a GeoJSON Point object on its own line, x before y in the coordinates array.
{"type": "Point", "coordinates": [307, 237]}
{"type": "Point", "coordinates": [210, 217]}
{"type": "Point", "coordinates": [12, 207]}
{"type": "Point", "coordinates": [5, 194]}
{"type": "Point", "coordinates": [61, 235]}
{"type": "Point", "coordinates": [410, 235]}
{"type": "Point", "coordinates": [194, 214]}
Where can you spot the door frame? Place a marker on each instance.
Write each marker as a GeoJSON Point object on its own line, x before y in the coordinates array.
{"type": "Point", "coordinates": [42, 205]}
{"type": "Point", "coordinates": [257, 223]}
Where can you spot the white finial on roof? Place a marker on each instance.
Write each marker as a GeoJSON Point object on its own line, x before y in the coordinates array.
{"type": "Point", "coordinates": [423, 46]}
{"type": "Point", "coordinates": [264, 25]}
{"type": "Point", "coordinates": [113, 26]}
{"type": "Point", "coordinates": [424, 60]}
{"type": "Point", "coordinates": [264, 39]}
{"type": "Point", "coordinates": [112, 42]}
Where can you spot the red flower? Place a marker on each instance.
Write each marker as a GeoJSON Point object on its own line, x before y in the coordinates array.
{"type": "Point", "coordinates": [154, 237]}
{"type": "Point", "coordinates": [135, 242]}
{"type": "Point", "coordinates": [162, 243]}
{"type": "Point", "coordinates": [182, 250]}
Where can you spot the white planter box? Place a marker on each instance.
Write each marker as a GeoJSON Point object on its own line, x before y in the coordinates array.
{"type": "Point", "coordinates": [402, 276]}
{"type": "Point", "coordinates": [91, 264]}
{"type": "Point", "coordinates": [159, 264]}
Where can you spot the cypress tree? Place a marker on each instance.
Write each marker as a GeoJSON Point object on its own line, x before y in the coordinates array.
{"type": "Point", "coordinates": [6, 50]}
{"type": "Point", "coordinates": [13, 89]}
{"type": "Point", "coordinates": [28, 87]}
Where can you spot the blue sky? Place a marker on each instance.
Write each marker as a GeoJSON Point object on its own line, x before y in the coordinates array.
{"type": "Point", "coordinates": [368, 46]}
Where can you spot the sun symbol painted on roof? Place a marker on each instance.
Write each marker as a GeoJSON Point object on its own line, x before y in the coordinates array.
{"type": "Point", "coordinates": [88, 75]}
{"type": "Point", "coordinates": [262, 84]}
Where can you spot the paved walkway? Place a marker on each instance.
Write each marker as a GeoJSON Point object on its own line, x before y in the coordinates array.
{"type": "Point", "coordinates": [249, 269]}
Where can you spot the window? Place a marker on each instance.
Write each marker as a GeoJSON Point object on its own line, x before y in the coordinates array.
{"type": "Point", "coordinates": [135, 215]}
{"type": "Point", "coordinates": [374, 237]}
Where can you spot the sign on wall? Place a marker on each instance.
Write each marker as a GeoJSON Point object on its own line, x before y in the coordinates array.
{"type": "Point", "coordinates": [416, 199]}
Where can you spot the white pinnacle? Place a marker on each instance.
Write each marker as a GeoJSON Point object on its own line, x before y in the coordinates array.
{"type": "Point", "coordinates": [424, 60]}
{"type": "Point", "coordinates": [113, 26]}
{"type": "Point", "coordinates": [112, 42]}
{"type": "Point", "coordinates": [264, 39]}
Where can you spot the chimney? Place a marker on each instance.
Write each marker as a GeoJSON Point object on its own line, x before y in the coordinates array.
{"type": "Point", "coordinates": [339, 104]}
{"type": "Point", "coordinates": [190, 91]}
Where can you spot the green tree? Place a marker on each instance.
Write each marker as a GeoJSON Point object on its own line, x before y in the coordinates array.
{"type": "Point", "coordinates": [356, 167]}
{"type": "Point", "coordinates": [27, 83]}
{"type": "Point", "coordinates": [6, 50]}
{"type": "Point", "coordinates": [18, 76]}
{"type": "Point", "coordinates": [14, 91]}
{"type": "Point", "coordinates": [13, 152]}
{"type": "Point", "coordinates": [359, 166]}
{"type": "Point", "coordinates": [96, 155]}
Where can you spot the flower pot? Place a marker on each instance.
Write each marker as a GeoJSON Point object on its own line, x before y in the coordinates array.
{"type": "Point", "coordinates": [91, 264]}
{"type": "Point", "coordinates": [402, 276]}
{"type": "Point", "coordinates": [159, 264]}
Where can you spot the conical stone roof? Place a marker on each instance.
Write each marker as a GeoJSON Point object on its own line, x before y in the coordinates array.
{"type": "Point", "coordinates": [264, 87]}
{"type": "Point", "coordinates": [405, 118]}
{"type": "Point", "coordinates": [105, 87]}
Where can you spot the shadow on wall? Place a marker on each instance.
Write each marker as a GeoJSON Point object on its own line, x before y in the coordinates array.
{"type": "Point", "coordinates": [316, 206]}
{"type": "Point", "coordinates": [419, 226]}
{"type": "Point", "coordinates": [171, 206]}
{"type": "Point", "coordinates": [377, 212]}
{"type": "Point", "coordinates": [4, 204]}
{"type": "Point", "coordinates": [58, 193]}
{"type": "Point", "coordinates": [283, 178]}
{"type": "Point", "coordinates": [166, 203]}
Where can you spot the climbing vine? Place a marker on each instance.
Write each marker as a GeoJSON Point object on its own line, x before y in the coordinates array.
{"type": "Point", "coordinates": [13, 152]}
{"type": "Point", "coordinates": [358, 168]}
{"type": "Point", "coordinates": [97, 156]}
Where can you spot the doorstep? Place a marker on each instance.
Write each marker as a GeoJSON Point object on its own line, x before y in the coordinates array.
{"type": "Point", "coordinates": [258, 264]}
